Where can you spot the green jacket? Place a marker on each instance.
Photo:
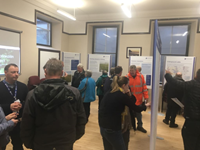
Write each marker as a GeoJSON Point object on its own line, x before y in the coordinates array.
{"type": "Point", "coordinates": [99, 83]}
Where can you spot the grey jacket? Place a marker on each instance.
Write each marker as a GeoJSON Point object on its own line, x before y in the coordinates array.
{"type": "Point", "coordinates": [5, 127]}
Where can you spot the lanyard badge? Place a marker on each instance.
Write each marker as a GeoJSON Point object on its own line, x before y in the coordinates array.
{"type": "Point", "coordinates": [14, 96]}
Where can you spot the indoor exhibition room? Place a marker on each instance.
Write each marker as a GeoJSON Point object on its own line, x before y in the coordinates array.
{"type": "Point", "coordinates": [100, 74]}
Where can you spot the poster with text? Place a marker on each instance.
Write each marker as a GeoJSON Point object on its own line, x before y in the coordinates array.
{"type": "Point", "coordinates": [145, 62]}
{"type": "Point", "coordinates": [185, 65]}
{"type": "Point", "coordinates": [97, 63]}
{"type": "Point", "coordinates": [70, 60]}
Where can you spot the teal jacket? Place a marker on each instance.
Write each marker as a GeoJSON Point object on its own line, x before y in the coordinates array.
{"type": "Point", "coordinates": [99, 83]}
{"type": "Point", "coordinates": [90, 89]}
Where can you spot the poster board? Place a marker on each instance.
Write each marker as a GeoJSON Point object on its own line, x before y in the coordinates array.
{"type": "Point", "coordinates": [44, 56]}
{"type": "Point", "coordinates": [97, 63]}
{"type": "Point", "coordinates": [185, 65]}
{"type": "Point", "coordinates": [145, 62]}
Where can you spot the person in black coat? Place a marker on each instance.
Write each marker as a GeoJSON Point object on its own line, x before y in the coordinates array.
{"type": "Point", "coordinates": [172, 107]}
{"type": "Point", "coordinates": [191, 127]}
{"type": "Point", "coordinates": [12, 97]}
{"type": "Point", "coordinates": [54, 116]}
{"type": "Point", "coordinates": [79, 75]}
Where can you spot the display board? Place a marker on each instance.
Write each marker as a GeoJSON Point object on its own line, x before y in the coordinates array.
{"type": "Point", "coordinates": [185, 65]}
{"type": "Point", "coordinates": [9, 48]}
{"type": "Point", "coordinates": [44, 56]}
{"type": "Point", "coordinates": [145, 62]}
{"type": "Point", "coordinates": [97, 63]}
{"type": "Point", "coordinates": [70, 60]}
{"type": "Point", "coordinates": [155, 85]}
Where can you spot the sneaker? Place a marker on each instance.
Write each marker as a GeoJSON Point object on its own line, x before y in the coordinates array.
{"type": "Point", "coordinates": [142, 129]}
{"type": "Point", "coordinates": [173, 125]}
{"type": "Point", "coordinates": [165, 121]}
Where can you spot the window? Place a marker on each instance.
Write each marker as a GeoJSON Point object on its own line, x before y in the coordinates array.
{"type": "Point", "coordinates": [105, 41]}
{"type": "Point", "coordinates": [174, 43]}
{"type": "Point", "coordinates": [43, 32]}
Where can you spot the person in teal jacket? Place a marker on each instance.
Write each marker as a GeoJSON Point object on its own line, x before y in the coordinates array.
{"type": "Point", "coordinates": [87, 90]}
{"type": "Point", "coordinates": [99, 84]}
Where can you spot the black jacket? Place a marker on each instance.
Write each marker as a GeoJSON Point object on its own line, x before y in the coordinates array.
{"type": "Point", "coordinates": [173, 92]}
{"type": "Point", "coordinates": [53, 116]}
{"type": "Point", "coordinates": [191, 98]}
{"type": "Point", "coordinates": [107, 84]}
{"type": "Point", "coordinates": [77, 78]}
{"type": "Point", "coordinates": [6, 99]}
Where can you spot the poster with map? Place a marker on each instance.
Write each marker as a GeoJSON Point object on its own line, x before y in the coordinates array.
{"type": "Point", "coordinates": [185, 65]}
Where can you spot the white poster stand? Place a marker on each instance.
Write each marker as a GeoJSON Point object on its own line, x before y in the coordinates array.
{"type": "Point", "coordinates": [185, 65]}
{"type": "Point", "coordinates": [145, 62]}
{"type": "Point", "coordinates": [97, 63]}
{"type": "Point", "coordinates": [70, 60]}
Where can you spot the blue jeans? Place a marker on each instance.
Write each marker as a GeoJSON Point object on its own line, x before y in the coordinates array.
{"type": "Point", "coordinates": [112, 140]}
{"type": "Point", "coordinates": [139, 119]}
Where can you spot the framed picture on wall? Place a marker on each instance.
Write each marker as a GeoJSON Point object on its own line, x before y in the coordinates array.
{"type": "Point", "coordinates": [133, 51]}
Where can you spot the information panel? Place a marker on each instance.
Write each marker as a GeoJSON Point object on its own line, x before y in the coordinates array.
{"type": "Point", "coordinates": [97, 63]}
{"type": "Point", "coordinates": [70, 60]}
{"type": "Point", "coordinates": [145, 62]}
{"type": "Point", "coordinates": [185, 65]}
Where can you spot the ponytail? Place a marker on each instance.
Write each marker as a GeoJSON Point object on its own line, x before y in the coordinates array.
{"type": "Point", "coordinates": [118, 82]}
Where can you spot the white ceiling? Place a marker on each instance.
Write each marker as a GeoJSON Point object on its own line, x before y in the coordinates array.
{"type": "Point", "coordinates": [99, 7]}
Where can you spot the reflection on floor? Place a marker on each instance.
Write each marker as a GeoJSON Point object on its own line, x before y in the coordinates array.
{"type": "Point", "coordinates": [138, 141]}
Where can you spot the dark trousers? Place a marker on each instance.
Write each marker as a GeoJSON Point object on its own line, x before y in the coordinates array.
{"type": "Point", "coordinates": [171, 114]}
{"type": "Point", "coordinates": [100, 98]}
{"type": "Point", "coordinates": [112, 140]}
{"type": "Point", "coordinates": [139, 119]}
{"type": "Point", "coordinates": [16, 141]}
{"type": "Point", "coordinates": [133, 115]}
{"type": "Point", "coordinates": [87, 109]}
{"type": "Point", "coordinates": [191, 135]}
{"type": "Point", "coordinates": [126, 137]}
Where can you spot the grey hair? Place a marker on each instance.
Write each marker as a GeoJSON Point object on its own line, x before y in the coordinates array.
{"type": "Point", "coordinates": [132, 67]}
{"type": "Point", "coordinates": [54, 67]}
{"type": "Point", "coordinates": [80, 65]}
{"type": "Point", "coordinates": [88, 73]}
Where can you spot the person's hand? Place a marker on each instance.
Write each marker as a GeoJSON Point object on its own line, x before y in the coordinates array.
{"type": "Point", "coordinates": [148, 104]}
{"type": "Point", "coordinates": [167, 71]}
{"type": "Point", "coordinates": [11, 116]}
{"type": "Point", "coordinates": [15, 121]}
{"type": "Point", "coordinates": [16, 106]}
{"type": "Point", "coordinates": [65, 74]}
{"type": "Point", "coordinates": [146, 100]}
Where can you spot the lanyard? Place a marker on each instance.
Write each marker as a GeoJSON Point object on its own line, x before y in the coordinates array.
{"type": "Point", "coordinates": [15, 96]}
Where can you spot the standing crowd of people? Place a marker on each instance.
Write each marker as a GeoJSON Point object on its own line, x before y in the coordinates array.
{"type": "Point", "coordinates": [53, 115]}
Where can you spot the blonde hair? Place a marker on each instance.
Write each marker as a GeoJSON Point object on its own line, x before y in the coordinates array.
{"type": "Point", "coordinates": [118, 82]}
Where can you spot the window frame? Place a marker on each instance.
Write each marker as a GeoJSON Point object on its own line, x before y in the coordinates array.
{"type": "Point", "coordinates": [50, 32]}
{"type": "Point", "coordinates": [93, 40]}
{"type": "Point", "coordinates": [187, 44]}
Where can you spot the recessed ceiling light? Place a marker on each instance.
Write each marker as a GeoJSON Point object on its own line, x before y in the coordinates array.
{"type": "Point", "coordinates": [177, 41]}
{"type": "Point", "coordinates": [69, 3]}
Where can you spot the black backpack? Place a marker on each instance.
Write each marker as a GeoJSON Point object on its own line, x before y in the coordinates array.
{"type": "Point", "coordinates": [102, 83]}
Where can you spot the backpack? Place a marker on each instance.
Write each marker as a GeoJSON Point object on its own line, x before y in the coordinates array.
{"type": "Point", "coordinates": [102, 83]}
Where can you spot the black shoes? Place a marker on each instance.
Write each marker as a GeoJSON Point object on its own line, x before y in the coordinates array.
{"type": "Point", "coordinates": [141, 129]}
{"type": "Point", "coordinates": [165, 121]}
{"type": "Point", "coordinates": [173, 125]}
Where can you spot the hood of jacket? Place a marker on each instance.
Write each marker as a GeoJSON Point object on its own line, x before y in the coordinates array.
{"type": "Point", "coordinates": [52, 93]}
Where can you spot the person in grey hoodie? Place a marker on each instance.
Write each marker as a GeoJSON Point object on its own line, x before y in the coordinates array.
{"type": "Point", "coordinates": [6, 124]}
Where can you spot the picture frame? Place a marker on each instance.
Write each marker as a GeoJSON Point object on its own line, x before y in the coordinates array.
{"type": "Point", "coordinates": [133, 51]}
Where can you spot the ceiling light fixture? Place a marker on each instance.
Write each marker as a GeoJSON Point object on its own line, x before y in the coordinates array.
{"type": "Point", "coordinates": [69, 3]}
{"type": "Point", "coordinates": [66, 14]}
{"type": "Point", "coordinates": [106, 35]}
{"type": "Point", "coordinates": [177, 41]}
{"type": "Point", "coordinates": [184, 34]}
{"type": "Point", "coordinates": [126, 11]}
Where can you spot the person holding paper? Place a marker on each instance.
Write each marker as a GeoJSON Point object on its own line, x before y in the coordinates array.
{"type": "Point", "coordinates": [13, 94]}
{"type": "Point", "coordinates": [172, 107]}
{"type": "Point", "coordinates": [138, 88]}
{"type": "Point", "coordinates": [79, 75]}
{"type": "Point", "coordinates": [191, 127]}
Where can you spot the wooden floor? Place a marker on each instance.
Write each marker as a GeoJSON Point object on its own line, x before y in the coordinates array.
{"type": "Point", "coordinates": [138, 141]}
